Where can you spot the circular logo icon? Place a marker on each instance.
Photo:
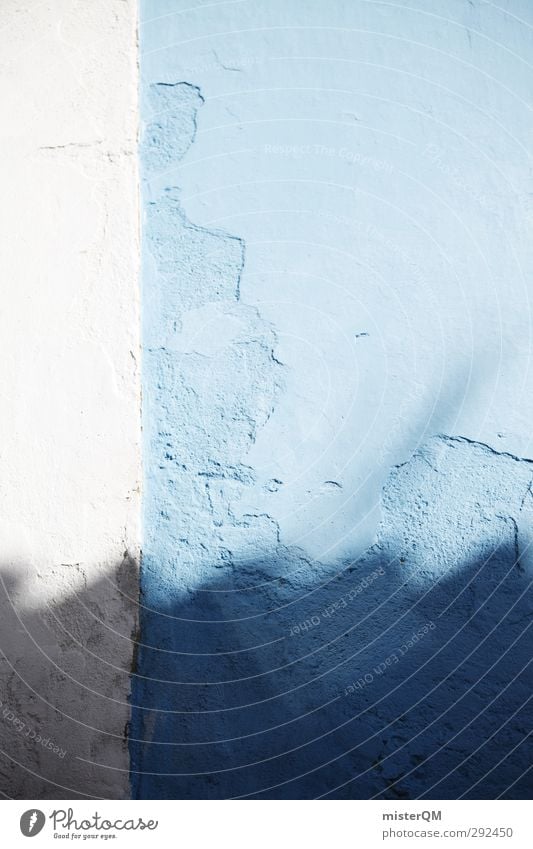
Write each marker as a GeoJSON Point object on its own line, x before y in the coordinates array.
{"type": "Point", "coordinates": [32, 822]}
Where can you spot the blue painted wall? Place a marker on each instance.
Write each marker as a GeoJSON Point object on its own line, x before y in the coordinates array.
{"type": "Point", "coordinates": [337, 493]}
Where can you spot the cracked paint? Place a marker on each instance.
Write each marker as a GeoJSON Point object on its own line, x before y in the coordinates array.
{"type": "Point", "coordinates": [225, 702]}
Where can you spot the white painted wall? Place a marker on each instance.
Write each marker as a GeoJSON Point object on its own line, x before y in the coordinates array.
{"type": "Point", "coordinates": [69, 430]}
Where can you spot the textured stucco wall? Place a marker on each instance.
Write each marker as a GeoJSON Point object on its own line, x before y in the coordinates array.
{"type": "Point", "coordinates": [336, 265]}
{"type": "Point", "coordinates": [337, 338]}
{"type": "Point", "coordinates": [70, 428]}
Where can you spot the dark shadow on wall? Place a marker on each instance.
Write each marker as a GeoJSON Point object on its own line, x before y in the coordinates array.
{"type": "Point", "coordinates": [65, 679]}
{"type": "Point", "coordinates": [372, 683]}
{"type": "Point", "coordinates": [405, 674]}
{"type": "Point", "coordinates": [296, 685]}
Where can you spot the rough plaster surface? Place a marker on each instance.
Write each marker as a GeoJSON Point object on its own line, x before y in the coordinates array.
{"type": "Point", "coordinates": [374, 159]}
{"type": "Point", "coordinates": [397, 670]}
{"type": "Point", "coordinates": [69, 435]}
{"type": "Point", "coordinates": [335, 598]}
